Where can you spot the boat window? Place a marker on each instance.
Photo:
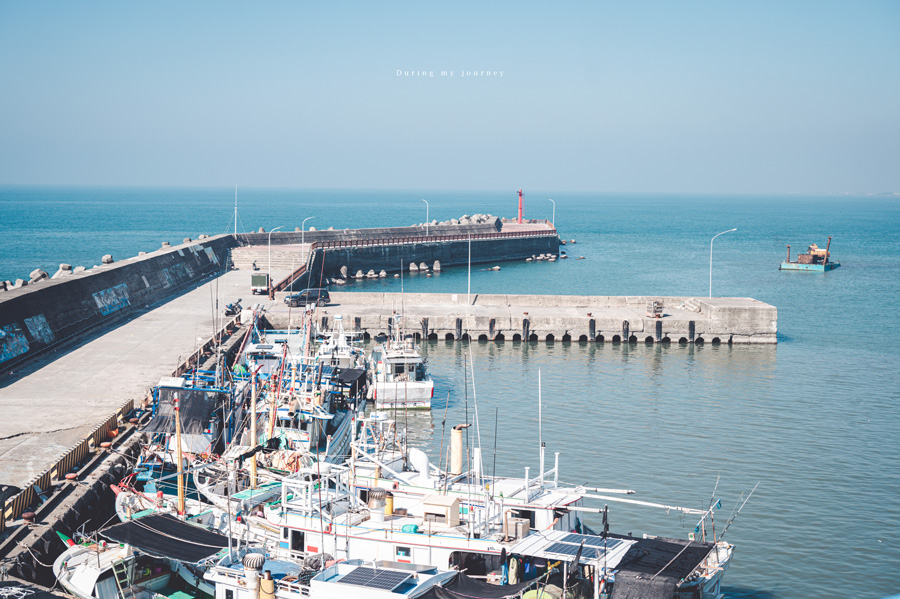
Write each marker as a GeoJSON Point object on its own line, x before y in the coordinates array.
{"type": "Point", "coordinates": [420, 372]}
{"type": "Point", "coordinates": [404, 552]}
{"type": "Point", "coordinates": [296, 540]}
{"type": "Point", "coordinates": [229, 594]}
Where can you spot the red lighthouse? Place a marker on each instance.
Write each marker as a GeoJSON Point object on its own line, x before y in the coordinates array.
{"type": "Point", "coordinates": [520, 207]}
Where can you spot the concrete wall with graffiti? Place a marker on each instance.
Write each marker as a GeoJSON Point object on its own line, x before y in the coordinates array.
{"type": "Point", "coordinates": [50, 312]}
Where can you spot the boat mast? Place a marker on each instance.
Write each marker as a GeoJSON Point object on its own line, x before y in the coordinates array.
{"type": "Point", "coordinates": [180, 465]}
{"type": "Point", "coordinates": [254, 437]}
{"type": "Point", "coordinates": [540, 429]}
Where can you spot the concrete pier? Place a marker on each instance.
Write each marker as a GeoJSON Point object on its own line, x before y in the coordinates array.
{"type": "Point", "coordinates": [551, 318]}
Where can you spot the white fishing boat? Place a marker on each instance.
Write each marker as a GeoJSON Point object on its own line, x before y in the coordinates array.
{"type": "Point", "coordinates": [400, 377]}
{"type": "Point", "coordinates": [158, 556]}
{"type": "Point", "coordinates": [341, 349]}
{"type": "Point", "coordinates": [258, 575]}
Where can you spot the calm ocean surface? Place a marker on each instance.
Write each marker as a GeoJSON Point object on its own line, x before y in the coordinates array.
{"type": "Point", "coordinates": [814, 420]}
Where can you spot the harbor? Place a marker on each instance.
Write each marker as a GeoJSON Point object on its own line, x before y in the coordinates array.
{"type": "Point", "coordinates": [177, 329]}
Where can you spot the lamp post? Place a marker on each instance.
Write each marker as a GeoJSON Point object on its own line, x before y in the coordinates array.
{"type": "Point", "coordinates": [270, 254]}
{"type": "Point", "coordinates": [553, 220]}
{"type": "Point", "coordinates": [426, 217]}
{"type": "Point", "coordinates": [303, 230]}
{"type": "Point", "coordinates": [710, 257]}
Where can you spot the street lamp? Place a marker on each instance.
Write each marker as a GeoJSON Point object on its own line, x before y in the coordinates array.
{"type": "Point", "coordinates": [302, 229]}
{"type": "Point", "coordinates": [710, 257]}
{"type": "Point", "coordinates": [426, 217]}
{"type": "Point", "coordinates": [553, 220]}
{"type": "Point", "coordinates": [270, 257]}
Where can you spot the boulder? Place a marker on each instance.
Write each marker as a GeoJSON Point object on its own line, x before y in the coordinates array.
{"type": "Point", "coordinates": [166, 244]}
{"type": "Point", "coordinates": [423, 266]}
{"type": "Point", "coordinates": [107, 259]}
{"type": "Point", "coordinates": [262, 230]}
{"type": "Point", "coordinates": [396, 276]}
{"type": "Point", "coordinates": [413, 267]}
{"type": "Point", "coordinates": [339, 282]}
{"type": "Point", "coordinates": [358, 275]}
{"type": "Point", "coordinates": [344, 272]}
{"type": "Point", "coordinates": [371, 275]}
{"type": "Point", "coordinates": [382, 274]}
{"type": "Point", "coordinates": [187, 240]}
{"type": "Point", "coordinates": [19, 284]}
{"type": "Point", "coordinates": [78, 269]}
{"type": "Point", "coordinates": [437, 266]}
{"type": "Point", "coordinates": [330, 229]}
{"type": "Point", "coordinates": [312, 229]}
{"type": "Point", "coordinates": [454, 221]}
{"type": "Point", "coordinates": [297, 230]}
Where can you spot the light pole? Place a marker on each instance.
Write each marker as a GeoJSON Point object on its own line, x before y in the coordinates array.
{"type": "Point", "coordinates": [426, 217]}
{"type": "Point", "coordinates": [710, 257]}
{"type": "Point", "coordinates": [553, 220]}
{"type": "Point", "coordinates": [270, 258]}
{"type": "Point", "coordinates": [303, 230]}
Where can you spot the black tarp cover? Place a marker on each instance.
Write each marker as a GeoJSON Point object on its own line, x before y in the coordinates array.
{"type": "Point", "coordinates": [196, 407]}
{"type": "Point", "coordinates": [640, 574]}
{"type": "Point", "coordinates": [353, 377]}
{"type": "Point", "coordinates": [164, 536]}
{"type": "Point", "coordinates": [464, 587]}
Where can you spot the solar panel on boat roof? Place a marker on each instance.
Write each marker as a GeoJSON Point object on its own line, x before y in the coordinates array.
{"type": "Point", "coordinates": [568, 549]}
{"type": "Point", "coordinates": [593, 541]}
{"type": "Point", "coordinates": [375, 579]}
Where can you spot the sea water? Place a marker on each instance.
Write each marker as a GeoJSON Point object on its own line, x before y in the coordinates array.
{"type": "Point", "coordinates": [813, 420]}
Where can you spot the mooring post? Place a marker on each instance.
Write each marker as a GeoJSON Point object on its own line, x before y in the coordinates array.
{"type": "Point", "coordinates": [425, 328]}
{"type": "Point", "coordinates": [592, 329]}
{"type": "Point", "coordinates": [491, 329]}
{"type": "Point", "coordinates": [658, 331]}
{"type": "Point", "coordinates": [526, 326]}
{"type": "Point", "coordinates": [691, 330]}
{"type": "Point", "coordinates": [625, 335]}
{"type": "Point", "coordinates": [458, 329]}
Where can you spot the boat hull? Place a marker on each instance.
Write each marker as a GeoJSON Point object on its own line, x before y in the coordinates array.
{"type": "Point", "coordinates": [411, 395]}
{"type": "Point", "coordinates": [809, 267]}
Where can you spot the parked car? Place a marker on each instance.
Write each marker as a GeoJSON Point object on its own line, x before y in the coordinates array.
{"type": "Point", "coordinates": [317, 295]}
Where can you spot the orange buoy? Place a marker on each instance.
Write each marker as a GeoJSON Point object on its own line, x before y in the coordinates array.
{"type": "Point", "coordinates": [106, 445]}
{"type": "Point", "coordinates": [71, 476]}
{"type": "Point", "coordinates": [114, 432]}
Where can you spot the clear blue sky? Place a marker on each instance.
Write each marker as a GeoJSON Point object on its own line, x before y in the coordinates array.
{"type": "Point", "coordinates": [749, 96]}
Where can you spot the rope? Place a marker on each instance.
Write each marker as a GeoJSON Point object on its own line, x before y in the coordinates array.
{"type": "Point", "coordinates": [15, 592]}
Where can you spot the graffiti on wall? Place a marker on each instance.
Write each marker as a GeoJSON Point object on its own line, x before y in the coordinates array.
{"type": "Point", "coordinates": [112, 299]}
{"type": "Point", "coordinates": [39, 329]}
{"type": "Point", "coordinates": [12, 342]}
{"type": "Point", "coordinates": [211, 255]}
{"type": "Point", "coordinates": [174, 274]}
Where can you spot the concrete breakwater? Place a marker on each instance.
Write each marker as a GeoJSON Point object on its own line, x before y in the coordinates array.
{"type": "Point", "coordinates": [550, 318]}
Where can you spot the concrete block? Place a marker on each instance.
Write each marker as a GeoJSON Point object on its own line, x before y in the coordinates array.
{"type": "Point", "coordinates": [437, 266]}
{"type": "Point", "coordinates": [413, 267]}
{"type": "Point", "coordinates": [382, 274]}
{"type": "Point", "coordinates": [166, 244]}
{"type": "Point", "coordinates": [344, 272]}
{"type": "Point", "coordinates": [142, 253]}
{"type": "Point", "coordinates": [38, 275]}
{"type": "Point", "coordinates": [19, 284]}
{"type": "Point", "coordinates": [187, 240]}
{"type": "Point", "coordinates": [64, 270]}
{"type": "Point", "coordinates": [4, 285]}
{"type": "Point", "coordinates": [423, 266]}
{"type": "Point", "coordinates": [78, 269]}
{"type": "Point", "coordinates": [107, 259]}
{"type": "Point", "coordinates": [312, 229]}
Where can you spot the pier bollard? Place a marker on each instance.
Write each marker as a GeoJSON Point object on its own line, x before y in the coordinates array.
{"type": "Point", "coordinates": [625, 327]}
{"type": "Point", "coordinates": [692, 328]}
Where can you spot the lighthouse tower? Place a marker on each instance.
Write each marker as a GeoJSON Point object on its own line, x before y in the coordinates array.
{"type": "Point", "coordinates": [520, 207]}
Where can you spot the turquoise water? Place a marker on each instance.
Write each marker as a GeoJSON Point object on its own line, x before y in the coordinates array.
{"type": "Point", "coordinates": [813, 420]}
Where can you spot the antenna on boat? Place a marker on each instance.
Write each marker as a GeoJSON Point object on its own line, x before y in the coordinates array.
{"type": "Point", "coordinates": [540, 428]}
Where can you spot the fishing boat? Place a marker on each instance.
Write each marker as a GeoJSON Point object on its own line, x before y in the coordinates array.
{"type": "Point", "coordinates": [340, 348]}
{"type": "Point", "coordinates": [157, 556]}
{"type": "Point", "coordinates": [814, 260]}
{"type": "Point", "coordinates": [399, 374]}
{"type": "Point", "coordinates": [258, 575]}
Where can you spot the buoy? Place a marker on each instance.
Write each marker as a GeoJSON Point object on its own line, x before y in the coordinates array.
{"type": "Point", "coordinates": [71, 476]}
{"type": "Point", "coordinates": [106, 445]}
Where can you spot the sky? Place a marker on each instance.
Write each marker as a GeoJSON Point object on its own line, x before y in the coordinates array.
{"type": "Point", "coordinates": [737, 97]}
